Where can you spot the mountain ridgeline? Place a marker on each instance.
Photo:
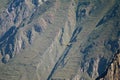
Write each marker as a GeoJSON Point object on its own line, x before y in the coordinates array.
{"type": "Point", "coordinates": [60, 40]}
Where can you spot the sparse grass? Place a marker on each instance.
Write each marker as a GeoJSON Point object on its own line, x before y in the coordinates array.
{"type": "Point", "coordinates": [76, 1]}
{"type": "Point", "coordinates": [3, 4]}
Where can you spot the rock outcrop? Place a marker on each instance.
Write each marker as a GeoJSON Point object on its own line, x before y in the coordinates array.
{"type": "Point", "coordinates": [113, 70]}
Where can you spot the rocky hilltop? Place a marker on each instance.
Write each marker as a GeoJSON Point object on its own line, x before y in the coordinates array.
{"type": "Point", "coordinates": [58, 39]}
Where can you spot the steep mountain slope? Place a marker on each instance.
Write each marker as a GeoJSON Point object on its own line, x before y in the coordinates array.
{"type": "Point", "coordinates": [92, 44]}
{"type": "Point", "coordinates": [58, 39]}
{"type": "Point", "coordinates": [38, 34]}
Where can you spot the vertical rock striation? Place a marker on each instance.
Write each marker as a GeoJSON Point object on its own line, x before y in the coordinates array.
{"type": "Point", "coordinates": [113, 70]}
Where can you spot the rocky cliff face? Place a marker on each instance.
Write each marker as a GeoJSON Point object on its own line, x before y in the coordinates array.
{"type": "Point", "coordinates": [113, 70]}
{"type": "Point", "coordinates": [58, 39]}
